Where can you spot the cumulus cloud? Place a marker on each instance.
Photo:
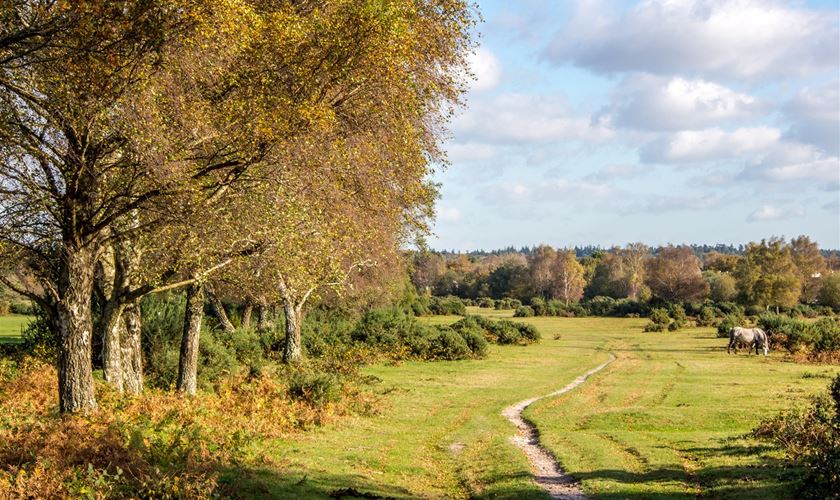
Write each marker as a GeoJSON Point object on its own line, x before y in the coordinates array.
{"type": "Point", "coordinates": [795, 162]}
{"type": "Point", "coordinates": [709, 144]}
{"type": "Point", "coordinates": [486, 68]}
{"type": "Point", "coordinates": [523, 118]}
{"type": "Point", "coordinates": [815, 116]}
{"type": "Point", "coordinates": [771, 213]}
{"type": "Point", "coordinates": [729, 39]}
{"type": "Point", "coordinates": [471, 151]}
{"type": "Point", "coordinates": [655, 103]}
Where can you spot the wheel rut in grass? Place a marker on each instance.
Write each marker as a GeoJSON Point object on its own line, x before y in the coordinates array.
{"type": "Point", "coordinates": [548, 473]}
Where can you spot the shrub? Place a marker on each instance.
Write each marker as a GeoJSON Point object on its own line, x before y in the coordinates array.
{"type": "Point", "coordinates": [382, 327]}
{"type": "Point", "coordinates": [486, 303]}
{"type": "Point", "coordinates": [506, 332]}
{"type": "Point", "coordinates": [523, 312]}
{"type": "Point", "coordinates": [601, 306]}
{"type": "Point", "coordinates": [726, 324]}
{"type": "Point", "coordinates": [655, 327]}
{"type": "Point", "coordinates": [659, 321]}
{"type": "Point", "coordinates": [810, 437]}
{"type": "Point", "coordinates": [529, 333]}
{"type": "Point", "coordinates": [38, 339]}
{"type": "Point", "coordinates": [313, 388]}
{"type": "Point", "coordinates": [474, 337]}
{"type": "Point", "coordinates": [25, 308]}
{"type": "Point", "coordinates": [677, 313]}
{"type": "Point", "coordinates": [707, 316]}
{"type": "Point", "coordinates": [449, 305]}
{"type": "Point", "coordinates": [447, 344]}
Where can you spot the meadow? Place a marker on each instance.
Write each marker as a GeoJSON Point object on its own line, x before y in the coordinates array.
{"type": "Point", "coordinates": [667, 419]}
{"type": "Point", "coordinates": [11, 326]}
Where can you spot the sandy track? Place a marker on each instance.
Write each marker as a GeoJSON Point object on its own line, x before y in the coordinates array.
{"type": "Point", "coordinates": [547, 471]}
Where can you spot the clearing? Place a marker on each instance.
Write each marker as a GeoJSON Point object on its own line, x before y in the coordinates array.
{"type": "Point", "coordinates": [11, 326]}
{"type": "Point", "coordinates": [666, 419]}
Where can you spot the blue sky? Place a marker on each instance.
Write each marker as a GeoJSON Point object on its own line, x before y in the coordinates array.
{"type": "Point", "coordinates": [661, 121]}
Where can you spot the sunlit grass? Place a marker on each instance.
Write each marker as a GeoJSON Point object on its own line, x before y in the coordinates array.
{"type": "Point", "coordinates": [11, 326]}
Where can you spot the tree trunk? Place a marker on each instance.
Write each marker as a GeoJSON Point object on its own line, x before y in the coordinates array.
{"type": "Point", "coordinates": [292, 352]}
{"type": "Point", "coordinates": [263, 322]}
{"type": "Point", "coordinates": [75, 328]}
{"type": "Point", "coordinates": [219, 310]}
{"type": "Point", "coordinates": [132, 355]}
{"type": "Point", "coordinates": [188, 362]}
{"type": "Point", "coordinates": [111, 327]}
{"type": "Point", "coordinates": [246, 315]}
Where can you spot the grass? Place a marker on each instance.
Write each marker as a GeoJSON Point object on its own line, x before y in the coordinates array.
{"type": "Point", "coordinates": [665, 420]}
{"type": "Point", "coordinates": [11, 326]}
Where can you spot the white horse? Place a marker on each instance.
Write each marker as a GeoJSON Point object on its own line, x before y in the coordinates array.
{"type": "Point", "coordinates": [752, 337]}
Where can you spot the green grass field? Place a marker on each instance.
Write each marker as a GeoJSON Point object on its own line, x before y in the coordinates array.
{"type": "Point", "coordinates": [11, 325]}
{"type": "Point", "coordinates": [665, 420]}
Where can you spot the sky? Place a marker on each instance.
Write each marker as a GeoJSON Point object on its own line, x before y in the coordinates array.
{"type": "Point", "coordinates": [661, 121]}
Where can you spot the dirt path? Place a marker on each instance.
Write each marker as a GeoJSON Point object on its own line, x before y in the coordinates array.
{"type": "Point", "coordinates": [547, 471]}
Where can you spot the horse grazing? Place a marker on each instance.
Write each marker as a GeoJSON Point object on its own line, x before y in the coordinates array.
{"type": "Point", "coordinates": [752, 337]}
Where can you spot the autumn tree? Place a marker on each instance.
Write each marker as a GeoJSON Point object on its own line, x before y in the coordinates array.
{"type": "Point", "coordinates": [722, 286]}
{"type": "Point", "coordinates": [810, 264]}
{"type": "Point", "coordinates": [633, 257]}
{"type": "Point", "coordinates": [673, 275]}
{"type": "Point", "coordinates": [541, 270]}
{"type": "Point", "coordinates": [568, 281]}
{"type": "Point", "coordinates": [767, 276]}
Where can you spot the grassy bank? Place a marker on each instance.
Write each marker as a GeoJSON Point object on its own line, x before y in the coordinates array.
{"type": "Point", "coordinates": [11, 326]}
{"type": "Point", "coordinates": [664, 420]}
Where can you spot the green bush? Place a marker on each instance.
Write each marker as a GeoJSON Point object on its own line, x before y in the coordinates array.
{"type": "Point", "coordinates": [659, 321]}
{"type": "Point", "coordinates": [383, 327]}
{"type": "Point", "coordinates": [449, 305]}
{"type": "Point", "coordinates": [707, 316]}
{"type": "Point", "coordinates": [523, 312]}
{"type": "Point", "coordinates": [506, 332]}
{"type": "Point", "coordinates": [474, 337]}
{"type": "Point", "coordinates": [25, 308]}
{"type": "Point", "coordinates": [677, 313]}
{"type": "Point", "coordinates": [655, 327]}
{"type": "Point", "coordinates": [726, 324]}
{"type": "Point", "coordinates": [447, 344]}
{"type": "Point", "coordinates": [486, 303]}
{"type": "Point", "coordinates": [811, 437]}
{"type": "Point", "coordinates": [38, 339]}
{"type": "Point", "coordinates": [529, 333]}
{"type": "Point", "coordinates": [316, 389]}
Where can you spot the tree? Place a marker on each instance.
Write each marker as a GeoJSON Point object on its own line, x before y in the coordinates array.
{"type": "Point", "coordinates": [830, 291]}
{"type": "Point", "coordinates": [607, 278]}
{"type": "Point", "coordinates": [767, 276]}
{"type": "Point", "coordinates": [633, 257]}
{"type": "Point", "coordinates": [722, 286]}
{"type": "Point", "coordinates": [674, 275]}
{"type": "Point", "coordinates": [568, 277]}
{"type": "Point", "coordinates": [810, 263]}
{"type": "Point", "coordinates": [725, 263]}
{"type": "Point", "coordinates": [540, 270]}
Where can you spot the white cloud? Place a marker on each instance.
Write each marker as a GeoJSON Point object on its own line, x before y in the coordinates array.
{"type": "Point", "coordinates": [709, 144]}
{"type": "Point", "coordinates": [449, 214]}
{"type": "Point", "coordinates": [795, 162]}
{"type": "Point", "coordinates": [740, 39]}
{"type": "Point", "coordinates": [549, 190]}
{"type": "Point", "coordinates": [655, 103]}
{"type": "Point", "coordinates": [771, 213]}
{"type": "Point", "coordinates": [486, 68]}
{"type": "Point", "coordinates": [815, 113]}
{"type": "Point", "coordinates": [521, 118]}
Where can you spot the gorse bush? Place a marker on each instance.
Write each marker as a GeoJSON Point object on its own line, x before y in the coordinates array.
{"type": "Point", "coordinates": [449, 305]}
{"type": "Point", "coordinates": [816, 340]}
{"type": "Point", "coordinates": [523, 312]}
{"type": "Point", "coordinates": [811, 437]}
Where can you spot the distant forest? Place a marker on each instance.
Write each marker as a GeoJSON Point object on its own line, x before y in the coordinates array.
{"type": "Point", "coordinates": [588, 250]}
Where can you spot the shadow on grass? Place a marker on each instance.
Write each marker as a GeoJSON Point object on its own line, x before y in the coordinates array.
{"type": "Point", "coordinates": [265, 483]}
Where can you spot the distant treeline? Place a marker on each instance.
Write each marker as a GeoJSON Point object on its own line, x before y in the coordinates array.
{"type": "Point", "coordinates": [774, 273]}
{"type": "Point", "coordinates": [587, 250]}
